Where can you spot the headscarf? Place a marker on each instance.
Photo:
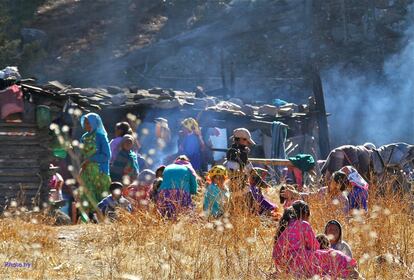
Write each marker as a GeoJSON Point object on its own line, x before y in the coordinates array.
{"type": "Point", "coordinates": [95, 122]}
{"type": "Point", "coordinates": [146, 177]}
{"type": "Point", "coordinates": [338, 224]}
{"type": "Point", "coordinates": [304, 162]}
{"type": "Point", "coordinates": [191, 124]}
{"type": "Point", "coordinates": [183, 160]}
{"type": "Point", "coordinates": [125, 138]}
{"type": "Point", "coordinates": [354, 177]}
{"type": "Point", "coordinates": [217, 170]}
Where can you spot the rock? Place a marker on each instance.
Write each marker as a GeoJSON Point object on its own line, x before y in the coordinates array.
{"type": "Point", "coordinates": [31, 35]}
{"type": "Point", "coordinates": [89, 92]}
{"type": "Point", "coordinates": [303, 108]}
{"type": "Point", "coordinates": [269, 110]}
{"type": "Point", "coordinates": [168, 104]}
{"type": "Point", "coordinates": [226, 105]}
{"type": "Point", "coordinates": [165, 95]}
{"type": "Point", "coordinates": [285, 111]}
{"type": "Point", "coordinates": [290, 106]}
{"type": "Point", "coordinates": [200, 103]}
{"type": "Point", "coordinates": [236, 101]}
{"type": "Point", "coordinates": [119, 99]}
{"type": "Point", "coordinates": [211, 101]}
{"type": "Point", "coordinates": [156, 90]}
{"type": "Point", "coordinates": [248, 109]}
{"type": "Point", "coordinates": [10, 73]}
{"type": "Point", "coordinates": [114, 90]}
{"type": "Point", "coordinates": [199, 92]}
{"type": "Point", "coordinates": [148, 101]}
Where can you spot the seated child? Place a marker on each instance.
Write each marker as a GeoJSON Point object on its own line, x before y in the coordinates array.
{"type": "Point", "coordinates": [323, 241]}
{"type": "Point", "coordinates": [333, 230]}
{"type": "Point", "coordinates": [286, 202]}
{"type": "Point", "coordinates": [140, 190]}
{"type": "Point", "coordinates": [337, 188]}
{"type": "Point", "coordinates": [115, 200]}
{"type": "Point", "coordinates": [126, 163]}
{"type": "Point", "coordinates": [157, 182]}
{"type": "Point", "coordinates": [256, 200]}
{"type": "Point", "coordinates": [216, 194]}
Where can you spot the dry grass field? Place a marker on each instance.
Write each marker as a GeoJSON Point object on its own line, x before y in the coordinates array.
{"type": "Point", "coordinates": [143, 246]}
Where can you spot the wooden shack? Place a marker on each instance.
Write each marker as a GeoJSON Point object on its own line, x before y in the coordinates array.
{"type": "Point", "coordinates": [24, 162]}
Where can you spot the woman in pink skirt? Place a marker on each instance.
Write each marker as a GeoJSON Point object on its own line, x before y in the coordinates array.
{"type": "Point", "coordinates": [296, 250]}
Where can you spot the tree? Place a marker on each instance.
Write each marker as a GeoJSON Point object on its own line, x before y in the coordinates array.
{"type": "Point", "coordinates": [8, 46]}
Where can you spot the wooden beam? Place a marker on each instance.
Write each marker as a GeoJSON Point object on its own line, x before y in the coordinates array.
{"type": "Point", "coordinates": [271, 161]}
{"type": "Point", "coordinates": [324, 145]}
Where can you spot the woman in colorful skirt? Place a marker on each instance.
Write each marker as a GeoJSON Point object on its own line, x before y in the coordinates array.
{"type": "Point", "coordinates": [297, 251]}
{"type": "Point", "coordinates": [179, 183]}
{"type": "Point", "coordinates": [94, 172]}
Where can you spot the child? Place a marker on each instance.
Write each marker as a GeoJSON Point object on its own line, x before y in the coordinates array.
{"type": "Point", "coordinates": [333, 230]}
{"type": "Point", "coordinates": [115, 200]}
{"type": "Point", "coordinates": [126, 163]}
{"type": "Point", "coordinates": [296, 250]}
{"type": "Point", "coordinates": [157, 182]}
{"type": "Point", "coordinates": [286, 202]}
{"type": "Point", "coordinates": [323, 241]}
{"type": "Point", "coordinates": [55, 184]}
{"type": "Point", "coordinates": [216, 193]}
{"type": "Point", "coordinates": [140, 191]}
{"type": "Point", "coordinates": [337, 188]}
{"type": "Point", "coordinates": [258, 203]}
{"type": "Point", "coordinates": [56, 200]}
{"type": "Point", "coordinates": [121, 129]}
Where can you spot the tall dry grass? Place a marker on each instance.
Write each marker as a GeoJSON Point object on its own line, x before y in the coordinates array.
{"type": "Point", "coordinates": [144, 246]}
{"type": "Point", "coordinates": [239, 246]}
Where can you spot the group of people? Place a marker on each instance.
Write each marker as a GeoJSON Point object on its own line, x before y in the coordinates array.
{"type": "Point", "coordinates": [108, 164]}
{"type": "Point", "coordinates": [116, 167]}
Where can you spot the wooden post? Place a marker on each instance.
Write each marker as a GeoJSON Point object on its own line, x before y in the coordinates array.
{"type": "Point", "coordinates": [223, 70]}
{"type": "Point", "coordinates": [322, 120]}
{"type": "Point", "coordinates": [344, 20]}
{"type": "Point", "coordinates": [232, 79]}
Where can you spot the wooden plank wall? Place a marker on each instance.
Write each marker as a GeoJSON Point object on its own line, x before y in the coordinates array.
{"type": "Point", "coordinates": [24, 162]}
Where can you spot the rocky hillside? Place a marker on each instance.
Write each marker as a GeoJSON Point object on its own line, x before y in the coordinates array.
{"type": "Point", "coordinates": [259, 49]}
{"type": "Point", "coordinates": [268, 46]}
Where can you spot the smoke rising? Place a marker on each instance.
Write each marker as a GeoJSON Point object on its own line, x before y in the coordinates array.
{"type": "Point", "coordinates": [367, 107]}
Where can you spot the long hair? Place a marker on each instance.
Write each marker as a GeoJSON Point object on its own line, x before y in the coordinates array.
{"type": "Point", "coordinates": [299, 211]}
{"type": "Point", "coordinates": [341, 179]}
{"type": "Point", "coordinates": [124, 127]}
{"type": "Point", "coordinates": [288, 215]}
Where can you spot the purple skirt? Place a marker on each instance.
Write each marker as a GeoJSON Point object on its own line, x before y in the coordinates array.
{"type": "Point", "coordinates": [173, 202]}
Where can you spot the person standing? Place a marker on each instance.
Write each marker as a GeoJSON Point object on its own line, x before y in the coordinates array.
{"type": "Point", "coordinates": [192, 143]}
{"type": "Point", "coordinates": [94, 174]}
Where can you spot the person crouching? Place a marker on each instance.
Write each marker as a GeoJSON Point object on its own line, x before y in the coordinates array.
{"type": "Point", "coordinates": [255, 198]}
{"type": "Point", "coordinates": [109, 204]}
{"type": "Point", "coordinates": [216, 194]}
